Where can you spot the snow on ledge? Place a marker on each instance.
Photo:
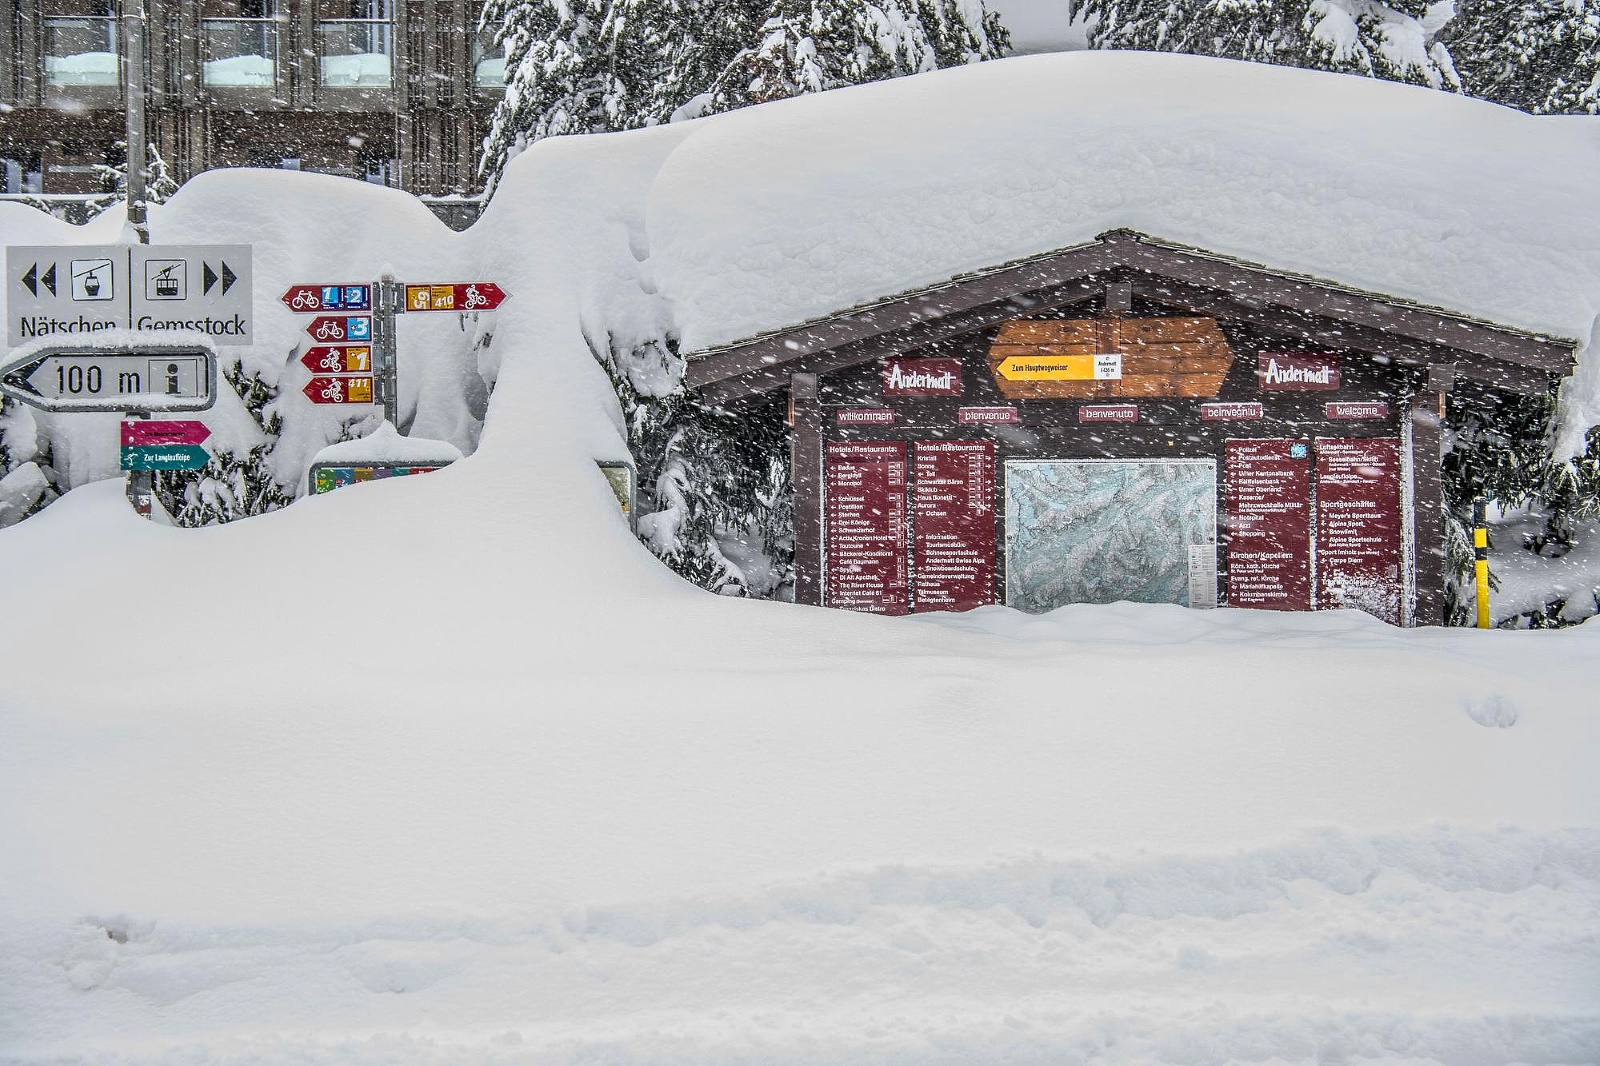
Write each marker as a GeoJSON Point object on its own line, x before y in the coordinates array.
{"type": "Point", "coordinates": [385, 445]}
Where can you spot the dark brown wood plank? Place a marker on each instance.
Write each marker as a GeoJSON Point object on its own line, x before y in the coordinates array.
{"type": "Point", "coordinates": [805, 474]}
{"type": "Point", "coordinates": [1427, 512]}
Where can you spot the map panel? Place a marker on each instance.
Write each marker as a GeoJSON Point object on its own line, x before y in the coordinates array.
{"type": "Point", "coordinates": [1096, 531]}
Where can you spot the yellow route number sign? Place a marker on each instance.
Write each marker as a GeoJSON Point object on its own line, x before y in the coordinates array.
{"type": "Point", "coordinates": [1107, 367]}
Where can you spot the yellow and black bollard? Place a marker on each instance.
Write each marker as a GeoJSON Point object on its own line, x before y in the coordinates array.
{"type": "Point", "coordinates": [1480, 556]}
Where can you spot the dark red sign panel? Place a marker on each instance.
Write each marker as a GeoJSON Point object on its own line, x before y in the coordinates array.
{"type": "Point", "coordinates": [978, 416]}
{"type": "Point", "coordinates": [1109, 412]}
{"type": "Point", "coordinates": [1358, 526]}
{"type": "Point", "coordinates": [1268, 488]}
{"type": "Point", "coordinates": [1355, 410]}
{"type": "Point", "coordinates": [864, 416]}
{"type": "Point", "coordinates": [1229, 412]}
{"type": "Point", "coordinates": [1278, 372]}
{"type": "Point", "coordinates": [953, 519]}
{"type": "Point", "coordinates": [866, 565]}
{"type": "Point", "coordinates": [922, 377]}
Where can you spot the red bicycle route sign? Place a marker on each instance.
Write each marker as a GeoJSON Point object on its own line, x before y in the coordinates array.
{"type": "Point", "coordinates": [338, 359]}
{"type": "Point", "coordinates": [315, 298]}
{"type": "Point", "coordinates": [464, 296]}
{"type": "Point", "coordinates": [338, 328]}
{"type": "Point", "coordinates": [340, 390]}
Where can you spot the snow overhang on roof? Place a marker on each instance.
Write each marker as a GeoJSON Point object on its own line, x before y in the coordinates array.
{"type": "Point", "coordinates": [1317, 310]}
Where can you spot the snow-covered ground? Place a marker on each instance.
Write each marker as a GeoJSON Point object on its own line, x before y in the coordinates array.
{"type": "Point", "coordinates": [449, 769]}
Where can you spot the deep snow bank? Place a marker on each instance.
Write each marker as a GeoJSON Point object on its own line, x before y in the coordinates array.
{"type": "Point", "coordinates": [449, 768]}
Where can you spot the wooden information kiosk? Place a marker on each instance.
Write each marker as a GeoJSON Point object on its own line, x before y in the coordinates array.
{"type": "Point", "coordinates": [1127, 420]}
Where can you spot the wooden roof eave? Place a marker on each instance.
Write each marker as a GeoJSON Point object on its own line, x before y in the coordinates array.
{"type": "Point", "coordinates": [1514, 358]}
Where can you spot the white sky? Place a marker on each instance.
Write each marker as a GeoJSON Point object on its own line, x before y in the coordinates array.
{"type": "Point", "coordinates": [1039, 25]}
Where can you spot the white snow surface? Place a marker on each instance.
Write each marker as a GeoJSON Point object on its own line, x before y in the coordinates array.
{"type": "Point", "coordinates": [450, 770]}
{"type": "Point", "coordinates": [386, 445]}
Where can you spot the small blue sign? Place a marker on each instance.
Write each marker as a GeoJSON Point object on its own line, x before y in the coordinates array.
{"type": "Point", "coordinates": [332, 298]}
{"type": "Point", "coordinates": [358, 328]}
{"type": "Point", "coordinates": [1298, 451]}
{"type": "Point", "coordinates": [357, 297]}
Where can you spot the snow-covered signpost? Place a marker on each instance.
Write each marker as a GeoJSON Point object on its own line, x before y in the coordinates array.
{"type": "Point", "coordinates": [126, 328]}
{"type": "Point", "coordinates": [356, 357]}
{"type": "Point", "coordinates": [122, 371]}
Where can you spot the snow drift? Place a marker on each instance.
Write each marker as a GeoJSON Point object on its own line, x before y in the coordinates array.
{"type": "Point", "coordinates": [450, 769]}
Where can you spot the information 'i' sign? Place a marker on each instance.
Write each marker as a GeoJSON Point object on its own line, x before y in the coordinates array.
{"type": "Point", "coordinates": [172, 377]}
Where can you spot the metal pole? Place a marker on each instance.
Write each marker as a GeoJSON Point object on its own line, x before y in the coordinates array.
{"type": "Point", "coordinates": [141, 483]}
{"type": "Point", "coordinates": [387, 369]}
{"type": "Point", "coordinates": [1480, 559]}
{"type": "Point", "coordinates": [133, 87]}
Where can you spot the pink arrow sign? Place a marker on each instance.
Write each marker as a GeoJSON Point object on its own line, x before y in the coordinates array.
{"type": "Point", "coordinates": [147, 431]}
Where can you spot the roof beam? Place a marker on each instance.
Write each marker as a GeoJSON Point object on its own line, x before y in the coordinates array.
{"type": "Point", "coordinates": [1325, 312]}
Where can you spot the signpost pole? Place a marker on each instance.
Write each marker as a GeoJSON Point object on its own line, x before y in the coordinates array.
{"type": "Point", "coordinates": [383, 321]}
{"type": "Point", "coordinates": [133, 95]}
{"type": "Point", "coordinates": [141, 483]}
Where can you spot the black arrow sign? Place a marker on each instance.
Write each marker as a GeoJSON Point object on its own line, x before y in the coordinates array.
{"type": "Point", "coordinates": [16, 381]}
{"type": "Point", "coordinates": [208, 278]}
{"type": "Point", "coordinates": [228, 278]}
{"type": "Point", "coordinates": [49, 279]}
{"type": "Point", "coordinates": [31, 279]}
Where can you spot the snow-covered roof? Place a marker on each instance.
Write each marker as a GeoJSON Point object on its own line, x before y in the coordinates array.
{"type": "Point", "coordinates": [765, 218]}
{"type": "Point", "coordinates": [774, 215]}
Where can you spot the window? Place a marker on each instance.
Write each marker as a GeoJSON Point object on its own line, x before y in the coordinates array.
{"type": "Point", "coordinates": [81, 50]}
{"type": "Point", "coordinates": [240, 51]}
{"type": "Point", "coordinates": [488, 60]}
{"type": "Point", "coordinates": [22, 175]}
{"type": "Point", "coordinates": [356, 42]}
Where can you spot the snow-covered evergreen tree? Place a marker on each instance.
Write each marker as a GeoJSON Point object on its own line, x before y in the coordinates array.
{"type": "Point", "coordinates": [230, 485]}
{"type": "Point", "coordinates": [1397, 40]}
{"type": "Point", "coordinates": [1541, 56]}
{"type": "Point", "coordinates": [159, 184]}
{"type": "Point", "coordinates": [1498, 450]}
{"type": "Point", "coordinates": [714, 487]}
{"type": "Point", "coordinates": [811, 45]}
{"type": "Point", "coordinates": [561, 78]}
{"type": "Point", "coordinates": [588, 66]}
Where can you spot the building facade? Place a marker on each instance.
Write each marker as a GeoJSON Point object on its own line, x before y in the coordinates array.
{"type": "Point", "coordinates": [397, 92]}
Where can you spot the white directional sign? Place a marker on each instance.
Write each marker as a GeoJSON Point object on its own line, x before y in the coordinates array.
{"type": "Point", "coordinates": [201, 287]}
{"type": "Point", "coordinates": [56, 290]}
{"type": "Point", "coordinates": [155, 377]}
